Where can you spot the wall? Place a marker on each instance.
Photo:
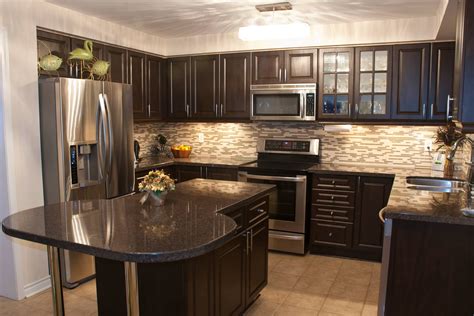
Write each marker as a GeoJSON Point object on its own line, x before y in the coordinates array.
{"type": "Point", "coordinates": [20, 123]}
{"type": "Point", "coordinates": [398, 146]}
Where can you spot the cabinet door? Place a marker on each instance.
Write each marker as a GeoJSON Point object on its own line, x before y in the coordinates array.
{"type": "Point", "coordinates": [137, 78]}
{"type": "Point", "coordinates": [267, 67]}
{"type": "Point", "coordinates": [257, 261]}
{"type": "Point", "coordinates": [441, 79]}
{"type": "Point", "coordinates": [58, 45]}
{"type": "Point", "coordinates": [373, 73]}
{"type": "Point", "coordinates": [204, 89]}
{"type": "Point", "coordinates": [372, 196]}
{"type": "Point", "coordinates": [178, 85]}
{"type": "Point", "coordinates": [335, 83]}
{"type": "Point", "coordinates": [155, 89]}
{"type": "Point", "coordinates": [300, 66]}
{"type": "Point", "coordinates": [117, 57]}
{"type": "Point", "coordinates": [185, 173]}
{"type": "Point", "coordinates": [97, 51]}
{"type": "Point", "coordinates": [235, 86]}
{"type": "Point", "coordinates": [230, 277]}
{"type": "Point", "coordinates": [219, 173]}
{"type": "Point", "coordinates": [410, 81]}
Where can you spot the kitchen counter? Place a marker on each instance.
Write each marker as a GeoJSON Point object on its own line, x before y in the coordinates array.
{"type": "Point", "coordinates": [409, 204]}
{"type": "Point", "coordinates": [151, 162]}
{"type": "Point", "coordinates": [190, 223]}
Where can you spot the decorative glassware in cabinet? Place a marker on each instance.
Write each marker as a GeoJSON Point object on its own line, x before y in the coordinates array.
{"type": "Point", "coordinates": [336, 83]}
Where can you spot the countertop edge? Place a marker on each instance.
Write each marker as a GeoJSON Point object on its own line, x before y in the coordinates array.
{"type": "Point", "coordinates": [418, 217]}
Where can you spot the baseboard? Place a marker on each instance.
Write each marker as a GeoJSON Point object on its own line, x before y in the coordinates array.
{"type": "Point", "coordinates": [37, 286]}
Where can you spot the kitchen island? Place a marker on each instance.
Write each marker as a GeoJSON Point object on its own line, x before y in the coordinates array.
{"type": "Point", "coordinates": [203, 252]}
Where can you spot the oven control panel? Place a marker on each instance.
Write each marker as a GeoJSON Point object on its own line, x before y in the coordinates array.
{"type": "Point", "coordinates": [290, 146]}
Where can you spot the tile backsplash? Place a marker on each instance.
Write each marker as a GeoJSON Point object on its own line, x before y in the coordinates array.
{"type": "Point", "coordinates": [397, 146]}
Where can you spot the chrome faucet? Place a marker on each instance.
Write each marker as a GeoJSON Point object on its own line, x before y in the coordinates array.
{"type": "Point", "coordinates": [456, 145]}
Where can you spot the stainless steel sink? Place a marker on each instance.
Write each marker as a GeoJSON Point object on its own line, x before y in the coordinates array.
{"type": "Point", "coordinates": [436, 184]}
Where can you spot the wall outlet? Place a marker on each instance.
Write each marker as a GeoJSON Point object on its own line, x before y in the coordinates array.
{"type": "Point", "coordinates": [428, 145]}
{"type": "Point", "coordinates": [201, 137]}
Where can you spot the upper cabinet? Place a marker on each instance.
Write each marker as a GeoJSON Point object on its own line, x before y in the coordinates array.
{"type": "Point", "coordinates": [441, 79]}
{"type": "Point", "coordinates": [373, 73]}
{"type": "Point", "coordinates": [410, 81]}
{"type": "Point", "coordinates": [204, 86]}
{"type": "Point", "coordinates": [136, 77]}
{"type": "Point", "coordinates": [235, 86]}
{"type": "Point", "coordinates": [294, 66]}
{"type": "Point", "coordinates": [336, 82]}
{"type": "Point", "coordinates": [58, 45]}
{"type": "Point", "coordinates": [179, 87]}
{"type": "Point", "coordinates": [117, 58]}
{"type": "Point", "coordinates": [155, 87]}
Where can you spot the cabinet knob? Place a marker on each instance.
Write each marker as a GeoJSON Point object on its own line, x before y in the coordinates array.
{"type": "Point", "coordinates": [260, 210]}
{"type": "Point", "coordinates": [332, 212]}
{"type": "Point", "coordinates": [332, 197]}
{"type": "Point", "coordinates": [330, 234]}
{"type": "Point", "coordinates": [333, 182]}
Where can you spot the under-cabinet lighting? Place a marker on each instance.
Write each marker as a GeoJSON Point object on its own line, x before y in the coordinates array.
{"type": "Point", "coordinates": [296, 30]}
{"type": "Point", "coordinates": [338, 128]}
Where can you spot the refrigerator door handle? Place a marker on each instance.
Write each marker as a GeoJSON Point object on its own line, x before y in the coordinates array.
{"type": "Point", "coordinates": [102, 129]}
{"type": "Point", "coordinates": [110, 134]}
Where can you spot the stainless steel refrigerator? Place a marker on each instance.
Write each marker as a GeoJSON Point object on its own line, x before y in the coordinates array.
{"type": "Point", "coordinates": [87, 151]}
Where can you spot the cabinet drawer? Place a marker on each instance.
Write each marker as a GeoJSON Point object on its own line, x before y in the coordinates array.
{"type": "Point", "coordinates": [331, 233]}
{"type": "Point", "coordinates": [334, 182]}
{"type": "Point", "coordinates": [338, 198]}
{"type": "Point", "coordinates": [257, 211]}
{"type": "Point", "coordinates": [332, 213]}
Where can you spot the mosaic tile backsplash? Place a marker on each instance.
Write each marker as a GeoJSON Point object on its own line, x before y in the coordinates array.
{"type": "Point", "coordinates": [398, 146]}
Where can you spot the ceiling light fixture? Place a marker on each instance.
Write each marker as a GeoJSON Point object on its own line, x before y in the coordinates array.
{"type": "Point", "coordinates": [274, 31]}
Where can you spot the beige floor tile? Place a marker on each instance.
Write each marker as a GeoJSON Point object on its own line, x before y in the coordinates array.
{"type": "Point", "coordinates": [357, 266]}
{"type": "Point", "coordinates": [350, 291]}
{"type": "Point", "coordinates": [273, 259]}
{"type": "Point", "coordinates": [342, 306]}
{"type": "Point", "coordinates": [309, 301]}
{"type": "Point", "coordinates": [282, 280]}
{"type": "Point", "coordinates": [322, 272]}
{"type": "Point", "coordinates": [285, 310]}
{"type": "Point", "coordinates": [373, 294]}
{"type": "Point", "coordinates": [369, 310]}
{"type": "Point", "coordinates": [326, 261]}
{"type": "Point", "coordinates": [271, 293]}
{"type": "Point", "coordinates": [355, 277]}
{"type": "Point", "coordinates": [313, 285]}
{"type": "Point", "coordinates": [262, 307]}
{"type": "Point", "coordinates": [291, 266]}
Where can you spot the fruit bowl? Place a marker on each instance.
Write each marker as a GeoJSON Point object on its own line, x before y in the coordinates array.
{"type": "Point", "coordinates": [181, 151]}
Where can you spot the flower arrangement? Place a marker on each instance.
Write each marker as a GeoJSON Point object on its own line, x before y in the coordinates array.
{"type": "Point", "coordinates": [157, 181]}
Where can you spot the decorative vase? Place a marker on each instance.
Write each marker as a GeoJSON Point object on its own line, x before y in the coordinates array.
{"type": "Point", "coordinates": [157, 198]}
{"type": "Point", "coordinates": [448, 163]}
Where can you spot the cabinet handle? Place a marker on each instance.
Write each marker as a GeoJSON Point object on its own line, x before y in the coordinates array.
{"type": "Point", "coordinates": [222, 110]}
{"type": "Point", "coordinates": [149, 110]}
{"type": "Point", "coordinates": [188, 110]}
{"type": "Point", "coordinates": [357, 109]}
{"type": "Point", "coordinates": [332, 197]}
{"type": "Point", "coordinates": [333, 182]}
{"type": "Point", "coordinates": [251, 240]}
{"type": "Point", "coordinates": [247, 240]}
{"type": "Point", "coordinates": [279, 74]}
{"type": "Point", "coordinates": [448, 106]}
{"type": "Point", "coordinates": [332, 213]}
{"type": "Point", "coordinates": [431, 111]}
{"type": "Point", "coordinates": [285, 75]}
{"type": "Point", "coordinates": [424, 110]}
{"type": "Point", "coordinates": [260, 210]}
{"type": "Point", "coordinates": [330, 234]}
{"type": "Point", "coordinates": [216, 110]}
{"type": "Point", "coordinates": [350, 112]}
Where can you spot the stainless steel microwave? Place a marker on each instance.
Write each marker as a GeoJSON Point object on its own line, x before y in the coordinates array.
{"type": "Point", "coordinates": [285, 102]}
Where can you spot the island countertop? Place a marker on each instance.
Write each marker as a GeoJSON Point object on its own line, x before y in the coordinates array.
{"type": "Point", "coordinates": [156, 162]}
{"type": "Point", "coordinates": [191, 223]}
{"type": "Point", "coordinates": [406, 203]}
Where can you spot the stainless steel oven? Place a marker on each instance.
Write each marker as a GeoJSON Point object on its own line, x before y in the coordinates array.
{"type": "Point", "coordinates": [286, 102]}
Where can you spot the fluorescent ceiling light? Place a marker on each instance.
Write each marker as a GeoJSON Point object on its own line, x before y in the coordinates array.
{"type": "Point", "coordinates": [274, 31]}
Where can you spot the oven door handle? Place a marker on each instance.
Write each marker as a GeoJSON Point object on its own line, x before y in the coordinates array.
{"type": "Point", "coordinates": [275, 178]}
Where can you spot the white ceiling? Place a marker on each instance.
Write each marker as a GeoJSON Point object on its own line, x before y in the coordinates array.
{"type": "Point", "coordinates": [181, 18]}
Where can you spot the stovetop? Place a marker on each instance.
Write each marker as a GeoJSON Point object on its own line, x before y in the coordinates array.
{"type": "Point", "coordinates": [278, 166]}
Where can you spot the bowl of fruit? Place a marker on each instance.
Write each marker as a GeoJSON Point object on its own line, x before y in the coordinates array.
{"type": "Point", "coordinates": [181, 151]}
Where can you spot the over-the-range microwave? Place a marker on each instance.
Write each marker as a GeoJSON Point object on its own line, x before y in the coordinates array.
{"type": "Point", "coordinates": [283, 102]}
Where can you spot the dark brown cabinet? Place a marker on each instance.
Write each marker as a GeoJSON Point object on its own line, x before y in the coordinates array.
{"type": "Point", "coordinates": [441, 79]}
{"type": "Point", "coordinates": [185, 173]}
{"type": "Point", "coordinates": [344, 215]}
{"type": "Point", "coordinates": [234, 86]}
{"type": "Point", "coordinates": [372, 195]}
{"type": "Point", "coordinates": [205, 86]}
{"type": "Point", "coordinates": [300, 66]}
{"type": "Point", "coordinates": [137, 78]}
{"type": "Point", "coordinates": [221, 173]}
{"type": "Point", "coordinates": [81, 72]}
{"type": "Point", "coordinates": [410, 81]}
{"type": "Point", "coordinates": [155, 68]}
{"type": "Point", "coordinates": [267, 67]}
{"type": "Point", "coordinates": [117, 57]}
{"type": "Point", "coordinates": [257, 260]}
{"type": "Point", "coordinates": [179, 87]}
{"type": "Point", "coordinates": [58, 45]}
{"type": "Point", "coordinates": [336, 83]}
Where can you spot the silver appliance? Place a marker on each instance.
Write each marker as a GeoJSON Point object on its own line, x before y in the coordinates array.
{"type": "Point", "coordinates": [87, 150]}
{"type": "Point", "coordinates": [283, 102]}
{"type": "Point", "coordinates": [284, 163]}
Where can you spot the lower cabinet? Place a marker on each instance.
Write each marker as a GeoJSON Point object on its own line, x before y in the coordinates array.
{"type": "Point", "coordinates": [185, 173]}
{"type": "Point", "coordinates": [344, 218]}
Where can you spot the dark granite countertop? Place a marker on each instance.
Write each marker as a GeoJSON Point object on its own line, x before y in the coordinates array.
{"type": "Point", "coordinates": [190, 223]}
{"type": "Point", "coordinates": [409, 204]}
{"type": "Point", "coordinates": [151, 162]}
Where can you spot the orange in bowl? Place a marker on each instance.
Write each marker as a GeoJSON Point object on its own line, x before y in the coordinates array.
{"type": "Point", "coordinates": [181, 151]}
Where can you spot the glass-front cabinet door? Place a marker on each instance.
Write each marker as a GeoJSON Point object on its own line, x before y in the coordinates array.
{"type": "Point", "coordinates": [335, 83]}
{"type": "Point", "coordinates": [372, 82]}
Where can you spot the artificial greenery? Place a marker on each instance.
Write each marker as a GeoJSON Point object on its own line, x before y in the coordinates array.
{"type": "Point", "coordinates": [447, 135]}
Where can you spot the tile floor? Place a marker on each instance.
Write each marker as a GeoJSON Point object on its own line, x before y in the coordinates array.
{"type": "Point", "coordinates": [297, 286]}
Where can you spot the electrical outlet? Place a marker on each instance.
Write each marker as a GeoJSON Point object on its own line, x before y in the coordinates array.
{"type": "Point", "coordinates": [201, 137]}
{"type": "Point", "coordinates": [428, 145]}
